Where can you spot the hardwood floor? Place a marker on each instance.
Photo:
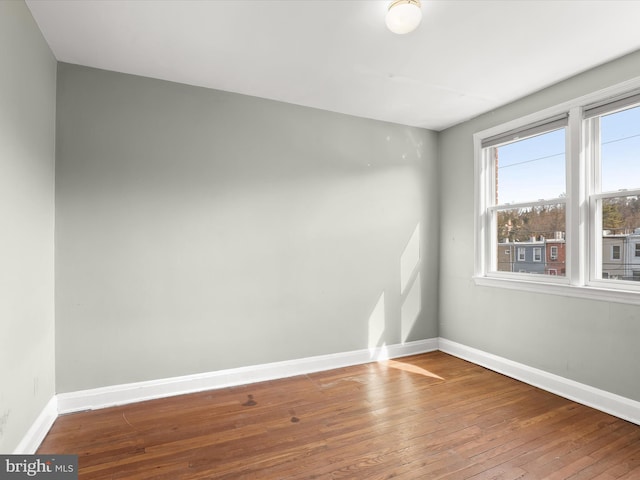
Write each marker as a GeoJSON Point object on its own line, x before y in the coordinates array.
{"type": "Point", "coordinates": [428, 416]}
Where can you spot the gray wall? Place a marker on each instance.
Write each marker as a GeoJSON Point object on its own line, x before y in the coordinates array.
{"type": "Point", "coordinates": [592, 342]}
{"type": "Point", "coordinates": [27, 126]}
{"type": "Point", "coordinates": [199, 230]}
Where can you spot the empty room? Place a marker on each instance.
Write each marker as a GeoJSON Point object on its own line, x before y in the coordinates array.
{"type": "Point", "coordinates": [320, 239]}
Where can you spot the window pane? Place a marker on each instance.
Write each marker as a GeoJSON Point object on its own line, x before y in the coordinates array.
{"type": "Point", "coordinates": [621, 238]}
{"type": "Point", "coordinates": [531, 169]}
{"type": "Point", "coordinates": [531, 240]}
{"type": "Point", "coordinates": [620, 150]}
{"type": "Point", "coordinates": [615, 252]}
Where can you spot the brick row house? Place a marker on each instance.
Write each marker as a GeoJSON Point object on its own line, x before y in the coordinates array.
{"type": "Point", "coordinates": [542, 256]}
{"type": "Point", "coordinates": [620, 256]}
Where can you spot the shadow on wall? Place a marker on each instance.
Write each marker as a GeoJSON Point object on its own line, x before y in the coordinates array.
{"type": "Point", "coordinates": [410, 295]}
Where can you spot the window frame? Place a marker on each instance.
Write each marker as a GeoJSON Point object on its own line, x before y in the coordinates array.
{"type": "Point", "coordinates": [582, 257]}
{"type": "Point", "coordinates": [523, 131]}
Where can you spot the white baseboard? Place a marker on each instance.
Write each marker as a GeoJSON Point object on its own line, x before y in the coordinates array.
{"type": "Point", "coordinates": [96, 398]}
{"type": "Point", "coordinates": [136, 392]}
{"type": "Point", "coordinates": [39, 429]}
{"type": "Point", "coordinates": [611, 403]}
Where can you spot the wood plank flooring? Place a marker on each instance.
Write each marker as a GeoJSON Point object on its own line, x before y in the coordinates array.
{"type": "Point", "coordinates": [429, 416]}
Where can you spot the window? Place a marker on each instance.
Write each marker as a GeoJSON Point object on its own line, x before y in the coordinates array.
{"type": "Point", "coordinates": [615, 252]}
{"type": "Point", "coordinates": [564, 184]}
{"type": "Point", "coordinates": [537, 254]}
{"type": "Point", "coordinates": [613, 141]}
{"type": "Point", "coordinates": [526, 194]}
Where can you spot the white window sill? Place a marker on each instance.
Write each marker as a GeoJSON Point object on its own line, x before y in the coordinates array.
{"type": "Point", "coordinates": [588, 292]}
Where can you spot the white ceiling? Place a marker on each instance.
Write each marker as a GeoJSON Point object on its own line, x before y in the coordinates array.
{"type": "Point", "coordinates": [466, 58]}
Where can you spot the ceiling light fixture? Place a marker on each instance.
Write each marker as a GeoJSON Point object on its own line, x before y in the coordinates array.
{"type": "Point", "coordinates": [403, 16]}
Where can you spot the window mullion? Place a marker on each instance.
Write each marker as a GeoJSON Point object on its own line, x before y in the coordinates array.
{"type": "Point", "coordinates": [490, 241]}
{"type": "Point", "coordinates": [593, 252]}
{"type": "Point", "coordinates": [576, 235]}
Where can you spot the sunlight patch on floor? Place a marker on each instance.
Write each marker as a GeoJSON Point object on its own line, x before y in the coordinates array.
{"type": "Point", "coordinates": [407, 367]}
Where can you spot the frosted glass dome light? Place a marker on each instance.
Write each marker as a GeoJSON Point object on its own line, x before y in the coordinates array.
{"type": "Point", "coordinates": [403, 16]}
